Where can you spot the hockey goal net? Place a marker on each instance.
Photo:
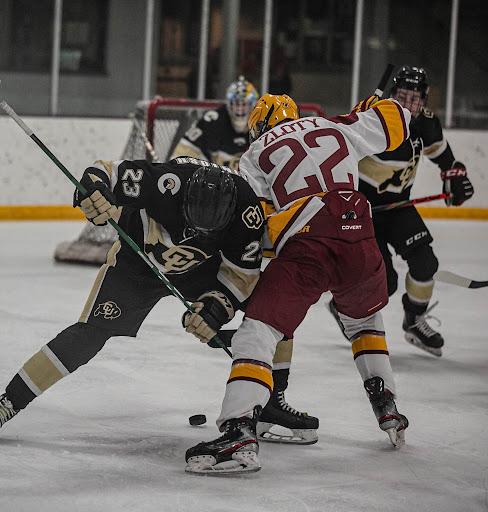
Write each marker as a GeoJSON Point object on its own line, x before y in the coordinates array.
{"type": "Point", "coordinates": [163, 121]}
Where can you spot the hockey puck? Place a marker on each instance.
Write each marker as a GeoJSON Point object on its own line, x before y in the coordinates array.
{"type": "Point", "coordinates": [197, 419]}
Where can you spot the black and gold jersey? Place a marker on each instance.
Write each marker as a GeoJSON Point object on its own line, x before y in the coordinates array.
{"type": "Point", "coordinates": [213, 138]}
{"type": "Point", "coordinates": [388, 177]}
{"type": "Point", "coordinates": [152, 196]}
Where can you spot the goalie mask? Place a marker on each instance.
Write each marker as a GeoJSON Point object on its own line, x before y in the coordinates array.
{"type": "Point", "coordinates": [209, 202]}
{"type": "Point", "coordinates": [270, 110]}
{"type": "Point", "coordinates": [411, 88]}
{"type": "Point", "coordinates": [241, 98]}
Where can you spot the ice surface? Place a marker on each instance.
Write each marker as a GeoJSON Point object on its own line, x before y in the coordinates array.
{"type": "Point", "coordinates": [113, 436]}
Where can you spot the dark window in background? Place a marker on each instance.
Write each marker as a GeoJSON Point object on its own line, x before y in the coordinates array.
{"type": "Point", "coordinates": [27, 35]}
{"type": "Point", "coordinates": [317, 35]}
{"type": "Point", "coordinates": [83, 36]}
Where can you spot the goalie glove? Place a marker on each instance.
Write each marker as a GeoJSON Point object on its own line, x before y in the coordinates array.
{"type": "Point", "coordinates": [456, 183]}
{"type": "Point", "coordinates": [99, 204]}
{"type": "Point", "coordinates": [211, 311]}
{"type": "Point", "coordinates": [366, 104]}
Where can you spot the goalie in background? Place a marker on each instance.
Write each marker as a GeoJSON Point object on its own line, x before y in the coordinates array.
{"type": "Point", "coordinates": [387, 178]}
{"type": "Point", "coordinates": [221, 136]}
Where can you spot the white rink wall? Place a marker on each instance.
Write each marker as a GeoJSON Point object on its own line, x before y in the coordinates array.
{"type": "Point", "coordinates": [28, 177]}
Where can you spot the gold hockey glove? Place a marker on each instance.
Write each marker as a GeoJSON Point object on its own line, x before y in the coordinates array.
{"type": "Point", "coordinates": [212, 310]}
{"type": "Point", "coordinates": [100, 203]}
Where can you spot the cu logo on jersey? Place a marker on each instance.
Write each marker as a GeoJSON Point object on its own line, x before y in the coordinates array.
{"type": "Point", "coordinates": [176, 259]}
{"type": "Point", "coordinates": [169, 181]}
{"type": "Point", "coordinates": [109, 310]}
{"type": "Point", "coordinates": [401, 178]}
{"type": "Point", "coordinates": [252, 217]}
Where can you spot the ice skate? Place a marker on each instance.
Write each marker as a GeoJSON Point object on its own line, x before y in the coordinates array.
{"type": "Point", "coordinates": [235, 452]}
{"type": "Point", "coordinates": [419, 333]}
{"type": "Point", "coordinates": [301, 428]}
{"type": "Point", "coordinates": [389, 419]}
{"type": "Point", "coordinates": [337, 318]}
{"type": "Point", "coordinates": [7, 411]}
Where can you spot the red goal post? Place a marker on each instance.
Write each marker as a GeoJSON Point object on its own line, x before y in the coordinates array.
{"type": "Point", "coordinates": [167, 119]}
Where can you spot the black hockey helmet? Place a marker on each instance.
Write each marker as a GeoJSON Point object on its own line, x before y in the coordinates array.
{"type": "Point", "coordinates": [209, 202]}
{"type": "Point", "coordinates": [411, 78]}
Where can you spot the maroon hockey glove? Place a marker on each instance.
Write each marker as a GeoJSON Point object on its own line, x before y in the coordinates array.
{"type": "Point", "coordinates": [457, 183]}
{"type": "Point", "coordinates": [366, 104]}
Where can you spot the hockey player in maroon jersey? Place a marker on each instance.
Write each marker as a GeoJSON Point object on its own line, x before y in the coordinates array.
{"type": "Point", "coordinates": [319, 227]}
{"type": "Point", "coordinates": [387, 178]}
{"type": "Point", "coordinates": [199, 223]}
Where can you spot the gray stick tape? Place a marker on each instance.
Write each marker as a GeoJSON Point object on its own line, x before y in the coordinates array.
{"type": "Point", "coordinates": [16, 118]}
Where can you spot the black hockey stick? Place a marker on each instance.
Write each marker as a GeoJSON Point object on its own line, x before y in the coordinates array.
{"type": "Point", "coordinates": [121, 232]}
{"type": "Point", "coordinates": [445, 276]}
{"type": "Point", "coordinates": [384, 80]}
{"type": "Point", "coordinates": [408, 202]}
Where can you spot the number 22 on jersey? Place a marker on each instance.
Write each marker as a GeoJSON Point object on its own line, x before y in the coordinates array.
{"type": "Point", "coordinates": [319, 154]}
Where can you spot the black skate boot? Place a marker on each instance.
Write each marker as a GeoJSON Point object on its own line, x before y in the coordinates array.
{"type": "Point", "coordinates": [417, 331]}
{"type": "Point", "coordinates": [389, 419]}
{"type": "Point", "coordinates": [236, 451]}
{"type": "Point", "coordinates": [7, 411]}
{"type": "Point", "coordinates": [337, 318]}
{"type": "Point", "coordinates": [278, 413]}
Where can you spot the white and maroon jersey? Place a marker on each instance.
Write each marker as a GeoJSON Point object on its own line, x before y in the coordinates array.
{"type": "Point", "coordinates": [291, 166]}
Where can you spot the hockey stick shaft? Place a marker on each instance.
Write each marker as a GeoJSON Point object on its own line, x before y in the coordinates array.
{"type": "Point", "coordinates": [384, 80]}
{"type": "Point", "coordinates": [445, 276]}
{"type": "Point", "coordinates": [142, 132]}
{"type": "Point", "coordinates": [83, 190]}
{"type": "Point", "coordinates": [408, 202]}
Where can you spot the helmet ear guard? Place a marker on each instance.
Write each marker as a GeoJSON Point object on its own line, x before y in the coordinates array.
{"type": "Point", "coordinates": [270, 110]}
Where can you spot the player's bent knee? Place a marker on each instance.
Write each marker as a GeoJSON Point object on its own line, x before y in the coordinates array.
{"type": "Point", "coordinates": [354, 327]}
{"type": "Point", "coordinates": [78, 343]}
{"type": "Point", "coordinates": [422, 263]}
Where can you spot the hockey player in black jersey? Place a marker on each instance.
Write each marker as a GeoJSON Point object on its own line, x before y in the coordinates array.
{"type": "Point", "coordinates": [387, 178]}
{"type": "Point", "coordinates": [221, 135]}
{"type": "Point", "coordinates": [199, 223]}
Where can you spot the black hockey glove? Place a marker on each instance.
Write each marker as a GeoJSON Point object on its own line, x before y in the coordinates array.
{"type": "Point", "coordinates": [99, 204]}
{"type": "Point", "coordinates": [457, 183]}
{"type": "Point", "coordinates": [211, 311]}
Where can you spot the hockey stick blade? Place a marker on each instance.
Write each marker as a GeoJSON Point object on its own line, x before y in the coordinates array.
{"type": "Point", "coordinates": [445, 276]}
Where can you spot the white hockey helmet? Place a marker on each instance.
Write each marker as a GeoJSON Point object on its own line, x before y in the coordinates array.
{"type": "Point", "coordinates": [241, 98]}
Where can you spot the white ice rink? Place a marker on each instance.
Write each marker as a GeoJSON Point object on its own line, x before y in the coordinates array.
{"type": "Point", "coordinates": [113, 436]}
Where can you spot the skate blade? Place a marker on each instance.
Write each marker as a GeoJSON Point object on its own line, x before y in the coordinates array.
{"type": "Point", "coordinates": [397, 438]}
{"type": "Point", "coordinates": [298, 436]}
{"type": "Point", "coordinates": [414, 341]}
{"type": "Point", "coordinates": [243, 462]}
